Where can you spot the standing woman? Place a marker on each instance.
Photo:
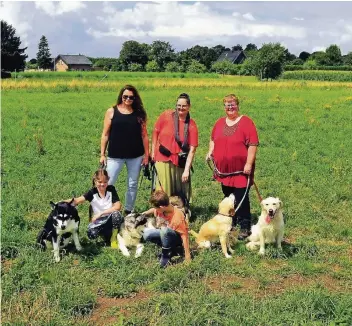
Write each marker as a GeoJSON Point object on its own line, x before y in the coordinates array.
{"type": "Point", "coordinates": [126, 138]}
{"type": "Point", "coordinates": [233, 147]}
{"type": "Point", "coordinates": [175, 139]}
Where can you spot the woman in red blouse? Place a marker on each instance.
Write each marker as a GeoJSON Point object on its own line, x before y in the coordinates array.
{"type": "Point", "coordinates": [233, 147]}
{"type": "Point", "coordinates": [174, 179]}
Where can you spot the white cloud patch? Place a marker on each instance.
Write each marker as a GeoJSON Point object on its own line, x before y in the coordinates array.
{"type": "Point", "coordinates": [319, 48]}
{"type": "Point", "coordinates": [298, 18]}
{"type": "Point", "coordinates": [172, 19]}
{"type": "Point", "coordinates": [58, 8]}
{"type": "Point", "coordinates": [248, 16]}
{"type": "Point", "coordinates": [11, 13]}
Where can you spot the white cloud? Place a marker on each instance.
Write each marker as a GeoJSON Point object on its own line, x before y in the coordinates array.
{"type": "Point", "coordinates": [319, 48]}
{"type": "Point", "coordinates": [58, 8]}
{"type": "Point", "coordinates": [298, 18]}
{"type": "Point", "coordinates": [236, 14]}
{"type": "Point", "coordinates": [173, 19]}
{"type": "Point", "coordinates": [11, 13]}
{"type": "Point", "coordinates": [248, 16]}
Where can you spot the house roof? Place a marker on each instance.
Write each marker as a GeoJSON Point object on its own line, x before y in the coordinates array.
{"type": "Point", "coordinates": [74, 59]}
{"type": "Point", "coordinates": [229, 55]}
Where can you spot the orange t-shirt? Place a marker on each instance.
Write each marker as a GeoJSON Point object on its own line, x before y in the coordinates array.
{"type": "Point", "coordinates": [164, 130]}
{"type": "Point", "coordinates": [176, 221]}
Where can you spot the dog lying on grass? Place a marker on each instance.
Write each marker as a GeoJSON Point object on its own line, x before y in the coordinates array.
{"type": "Point", "coordinates": [218, 227]}
{"type": "Point", "coordinates": [62, 222]}
{"type": "Point", "coordinates": [270, 226]}
{"type": "Point", "coordinates": [131, 233]}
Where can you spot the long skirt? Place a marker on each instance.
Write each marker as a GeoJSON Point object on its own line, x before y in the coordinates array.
{"type": "Point", "coordinates": [169, 179]}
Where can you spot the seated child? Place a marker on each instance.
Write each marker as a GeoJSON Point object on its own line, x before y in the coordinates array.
{"type": "Point", "coordinates": [106, 205]}
{"type": "Point", "coordinates": [173, 234]}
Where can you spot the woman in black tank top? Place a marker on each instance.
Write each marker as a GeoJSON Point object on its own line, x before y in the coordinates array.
{"type": "Point", "coordinates": [126, 139]}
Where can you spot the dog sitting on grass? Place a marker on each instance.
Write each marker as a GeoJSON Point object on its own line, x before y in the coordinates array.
{"type": "Point", "coordinates": [62, 222]}
{"type": "Point", "coordinates": [270, 226]}
{"type": "Point", "coordinates": [218, 227]}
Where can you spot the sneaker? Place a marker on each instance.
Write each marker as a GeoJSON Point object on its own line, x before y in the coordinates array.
{"type": "Point", "coordinates": [243, 235]}
{"type": "Point", "coordinates": [113, 240]}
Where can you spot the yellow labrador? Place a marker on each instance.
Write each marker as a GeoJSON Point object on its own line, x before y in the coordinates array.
{"type": "Point", "coordinates": [270, 226]}
{"type": "Point", "coordinates": [218, 227]}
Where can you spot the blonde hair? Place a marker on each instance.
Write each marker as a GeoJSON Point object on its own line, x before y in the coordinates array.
{"type": "Point", "coordinates": [98, 174]}
{"type": "Point", "coordinates": [231, 97]}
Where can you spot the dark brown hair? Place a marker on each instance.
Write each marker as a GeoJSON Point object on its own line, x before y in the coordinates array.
{"type": "Point", "coordinates": [137, 104]}
{"type": "Point", "coordinates": [159, 198]}
{"type": "Point", "coordinates": [186, 97]}
{"type": "Point", "coordinates": [98, 174]}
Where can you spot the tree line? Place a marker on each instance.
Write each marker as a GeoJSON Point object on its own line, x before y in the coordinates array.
{"type": "Point", "coordinates": [268, 61]}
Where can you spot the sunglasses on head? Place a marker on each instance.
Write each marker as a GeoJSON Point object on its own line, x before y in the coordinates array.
{"type": "Point", "coordinates": [130, 97]}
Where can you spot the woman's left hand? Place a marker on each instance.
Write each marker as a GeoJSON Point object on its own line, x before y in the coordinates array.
{"type": "Point", "coordinates": [145, 160]}
{"type": "Point", "coordinates": [95, 217]}
{"type": "Point", "coordinates": [185, 176]}
{"type": "Point", "coordinates": [247, 168]}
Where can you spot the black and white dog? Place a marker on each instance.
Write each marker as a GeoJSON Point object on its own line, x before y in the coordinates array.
{"type": "Point", "coordinates": [62, 222]}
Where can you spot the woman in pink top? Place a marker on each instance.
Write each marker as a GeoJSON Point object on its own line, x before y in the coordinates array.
{"type": "Point", "coordinates": [233, 147]}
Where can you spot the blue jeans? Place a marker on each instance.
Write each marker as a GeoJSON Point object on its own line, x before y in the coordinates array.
{"type": "Point", "coordinates": [164, 237]}
{"type": "Point", "coordinates": [114, 167]}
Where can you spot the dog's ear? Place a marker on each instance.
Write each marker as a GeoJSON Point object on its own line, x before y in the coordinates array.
{"type": "Point", "coordinates": [280, 202]}
{"type": "Point", "coordinates": [232, 212]}
{"type": "Point", "coordinates": [53, 205]}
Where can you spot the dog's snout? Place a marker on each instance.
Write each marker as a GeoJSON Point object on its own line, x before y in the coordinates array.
{"type": "Point", "coordinates": [271, 212]}
{"type": "Point", "coordinates": [63, 227]}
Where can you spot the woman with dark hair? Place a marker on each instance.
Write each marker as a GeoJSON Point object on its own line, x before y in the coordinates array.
{"type": "Point", "coordinates": [126, 139]}
{"type": "Point", "coordinates": [175, 139]}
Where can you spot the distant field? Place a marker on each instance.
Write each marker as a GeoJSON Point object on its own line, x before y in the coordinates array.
{"type": "Point", "coordinates": [50, 146]}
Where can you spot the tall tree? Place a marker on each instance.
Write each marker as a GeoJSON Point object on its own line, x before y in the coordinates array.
{"type": "Point", "coordinates": [251, 47]}
{"type": "Point", "coordinates": [304, 55]}
{"type": "Point", "coordinates": [12, 56]}
{"type": "Point", "coordinates": [347, 59]}
{"type": "Point", "coordinates": [269, 61]}
{"type": "Point", "coordinates": [333, 54]}
{"type": "Point", "coordinates": [219, 49]}
{"type": "Point", "coordinates": [162, 53]}
{"type": "Point", "coordinates": [43, 54]}
{"type": "Point", "coordinates": [237, 47]}
{"type": "Point", "coordinates": [134, 52]}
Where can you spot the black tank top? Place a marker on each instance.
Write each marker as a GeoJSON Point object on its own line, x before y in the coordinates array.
{"type": "Point", "coordinates": [125, 139]}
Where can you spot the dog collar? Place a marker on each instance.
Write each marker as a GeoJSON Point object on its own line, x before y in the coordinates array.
{"type": "Point", "coordinates": [224, 215]}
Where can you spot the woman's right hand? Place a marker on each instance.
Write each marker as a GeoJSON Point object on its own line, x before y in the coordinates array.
{"type": "Point", "coordinates": [102, 160]}
{"type": "Point", "coordinates": [208, 156]}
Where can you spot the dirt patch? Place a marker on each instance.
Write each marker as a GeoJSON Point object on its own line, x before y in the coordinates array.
{"type": "Point", "coordinates": [109, 310]}
{"type": "Point", "coordinates": [229, 284]}
{"type": "Point", "coordinates": [6, 265]}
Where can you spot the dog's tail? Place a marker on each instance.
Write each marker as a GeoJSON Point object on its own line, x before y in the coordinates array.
{"type": "Point", "coordinates": [194, 233]}
{"type": "Point", "coordinates": [40, 239]}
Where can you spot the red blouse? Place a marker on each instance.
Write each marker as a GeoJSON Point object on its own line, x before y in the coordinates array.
{"type": "Point", "coordinates": [164, 131]}
{"type": "Point", "coordinates": [231, 149]}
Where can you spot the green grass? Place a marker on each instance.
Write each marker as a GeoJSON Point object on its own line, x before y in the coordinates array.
{"type": "Point", "coordinates": [50, 148]}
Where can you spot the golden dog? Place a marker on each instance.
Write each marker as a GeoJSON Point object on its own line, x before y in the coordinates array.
{"type": "Point", "coordinates": [218, 227]}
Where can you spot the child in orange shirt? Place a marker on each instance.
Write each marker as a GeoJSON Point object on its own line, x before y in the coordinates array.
{"type": "Point", "coordinates": [173, 235]}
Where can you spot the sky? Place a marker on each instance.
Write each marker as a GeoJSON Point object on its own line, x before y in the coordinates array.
{"type": "Point", "coordinates": [99, 28]}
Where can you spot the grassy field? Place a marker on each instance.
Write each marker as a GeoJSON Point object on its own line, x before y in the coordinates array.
{"type": "Point", "coordinates": [50, 148]}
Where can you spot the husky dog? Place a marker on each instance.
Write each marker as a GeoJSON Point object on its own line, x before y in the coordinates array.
{"type": "Point", "coordinates": [62, 222]}
{"type": "Point", "coordinates": [270, 226]}
{"type": "Point", "coordinates": [131, 233]}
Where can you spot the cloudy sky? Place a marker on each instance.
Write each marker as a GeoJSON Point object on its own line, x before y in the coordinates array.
{"type": "Point", "coordinates": [99, 28]}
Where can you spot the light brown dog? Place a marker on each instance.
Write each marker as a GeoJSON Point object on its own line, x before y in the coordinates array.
{"type": "Point", "coordinates": [218, 227]}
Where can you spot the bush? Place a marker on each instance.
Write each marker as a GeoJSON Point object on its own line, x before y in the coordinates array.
{"type": "Point", "coordinates": [196, 67]}
{"type": "Point", "coordinates": [152, 66]}
{"type": "Point", "coordinates": [135, 67]}
{"type": "Point", "coordinates": [172, 67]}
{"type": "Point", "coordinates": [343, 76]}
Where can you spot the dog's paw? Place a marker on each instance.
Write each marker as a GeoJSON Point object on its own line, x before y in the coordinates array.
{"type": "Point", "coordinates": [261, 252]}
{"type": "Point", "coordinates": [57, 258]}
{"type": "Point", "coordinates": [126, 253]}
{"type": "Point", "coordinates": [79, 248]}
{"type": "Point", "coordinates": [228, 256]}
{"type": "Point", "coordinates": [251, 246]}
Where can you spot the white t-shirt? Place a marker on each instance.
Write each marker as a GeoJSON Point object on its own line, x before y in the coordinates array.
{"type": "Point", "coordinates": [100, 204]}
